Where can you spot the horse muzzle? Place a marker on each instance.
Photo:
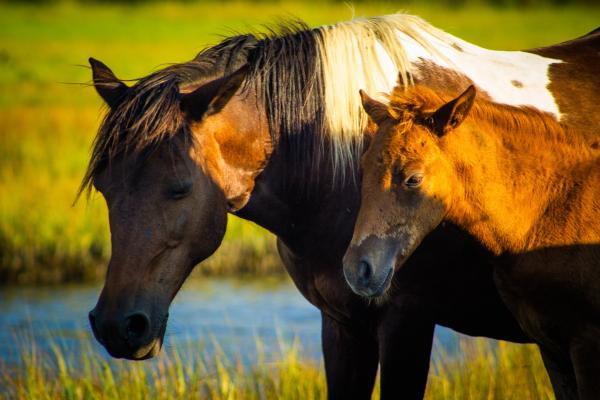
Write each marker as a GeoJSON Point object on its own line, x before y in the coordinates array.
{"type": "Point", "coordinates": [369, 266]}
{"type": "Point", "coordinates": [133, 336]}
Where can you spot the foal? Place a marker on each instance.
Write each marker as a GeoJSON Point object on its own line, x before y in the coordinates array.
{"type": "Point", "coordinates": [524, 186]}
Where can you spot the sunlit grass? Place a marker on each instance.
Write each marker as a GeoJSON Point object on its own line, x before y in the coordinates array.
{"type": "Point", "coordinates": [47, 123]}
{"type": "Point", "coordinates": [483, 371]}
{"type": "Point", "coordinates": [180, 373]}
{"type": "Point", "coordinates": [489, 370]}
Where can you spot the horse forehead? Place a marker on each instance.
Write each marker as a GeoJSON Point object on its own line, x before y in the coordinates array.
{"type": "Point", "coordinates": [411, 144]}
{"type": "Point", "coordinates": [136, 174]}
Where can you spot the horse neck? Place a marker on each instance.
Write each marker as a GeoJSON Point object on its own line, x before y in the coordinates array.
{"type": "Point", "coordinates": [509, 181]}
{"type": "Point", "coordinates": [306, 206]}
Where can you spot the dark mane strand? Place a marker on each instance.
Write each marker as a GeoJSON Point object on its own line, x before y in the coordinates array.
{"type": "Point", "coordinates": [284, 67]}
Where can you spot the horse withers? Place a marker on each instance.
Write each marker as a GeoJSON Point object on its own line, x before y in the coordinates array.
{"type": "Point", "coordinates": [524, 186]}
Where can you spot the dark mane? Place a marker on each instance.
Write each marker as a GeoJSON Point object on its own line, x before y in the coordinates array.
{"type": "Point", "coordinates": [286, 65]}
{"type": "Point", "coordinates": [283, 66]}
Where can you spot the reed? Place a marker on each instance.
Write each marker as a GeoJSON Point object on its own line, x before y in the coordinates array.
{"type": "Point", "coordinates": [484, 370]}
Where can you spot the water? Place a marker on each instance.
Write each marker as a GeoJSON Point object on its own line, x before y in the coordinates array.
{"type": "Point", "coordinates": [230, 313]}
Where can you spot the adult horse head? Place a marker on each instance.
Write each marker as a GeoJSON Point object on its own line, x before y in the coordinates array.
{"type": "Point", "coordinates": [164, 163]}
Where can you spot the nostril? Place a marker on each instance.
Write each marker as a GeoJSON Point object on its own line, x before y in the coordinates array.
{"type": "Point", "coordinates": [365, 271]}
{"type": "Point", "coordinates": [137, 326]}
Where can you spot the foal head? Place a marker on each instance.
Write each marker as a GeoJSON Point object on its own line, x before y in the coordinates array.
{"type": "Point", "coordinates": [405, 184]}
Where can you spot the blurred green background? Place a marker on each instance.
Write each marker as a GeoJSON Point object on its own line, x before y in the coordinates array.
{"type": "Point", "coordinates": [49, 113]}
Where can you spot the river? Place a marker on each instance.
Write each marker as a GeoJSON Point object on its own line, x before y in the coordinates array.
{"type": "Point", "coordinates": [228, 314]}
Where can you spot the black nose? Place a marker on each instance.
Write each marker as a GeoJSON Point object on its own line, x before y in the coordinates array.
{"type": "Point", "coordinates": [365, 272]}
{"type": "Point", "coordinates": [137, 326]}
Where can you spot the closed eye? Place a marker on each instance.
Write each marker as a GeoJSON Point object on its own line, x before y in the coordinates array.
{"type": "Point", "coordinates": [180, 190]}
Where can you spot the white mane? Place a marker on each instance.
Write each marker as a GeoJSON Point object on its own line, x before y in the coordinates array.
{"type": "Point", "coordinates": [374, 54]}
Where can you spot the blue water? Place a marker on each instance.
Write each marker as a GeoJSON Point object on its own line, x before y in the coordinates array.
{"type": "Point", "coordinates": [216, 313]}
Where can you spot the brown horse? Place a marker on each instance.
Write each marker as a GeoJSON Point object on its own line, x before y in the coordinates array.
{"type": "Point", "coordinates": [271, 129]}
{"type": "Point", "coordinates": [524, 186]}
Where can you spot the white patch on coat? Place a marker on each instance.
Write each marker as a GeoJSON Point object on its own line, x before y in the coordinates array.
{"type": "Point", "coordinates": [371, 53]}
{"type": "Point", "coordinates": [494, 71]}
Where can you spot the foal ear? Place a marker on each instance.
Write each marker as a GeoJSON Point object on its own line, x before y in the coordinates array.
{"type": "Point", "coordinates": [211, 97]}
{"type": "Point", "coordinates": [378, 111]}
{"type": "Point", "coordinates": [108, 86]}
{"type": "Point", "coordinates": [452, 114]}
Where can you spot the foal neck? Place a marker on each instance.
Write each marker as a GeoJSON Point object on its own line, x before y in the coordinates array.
{"type": "Point", "coordinates": [512, 171]}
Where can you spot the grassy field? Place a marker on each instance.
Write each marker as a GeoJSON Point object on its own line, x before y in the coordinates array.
{"type": "Point", "coordinates": [49, 113]}
{"type": "Point", "coordinates": [485, 372]}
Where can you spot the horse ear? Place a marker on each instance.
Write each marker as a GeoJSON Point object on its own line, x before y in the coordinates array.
{"type": "Point", "coordinates": [211, 97]}
{"type": "Point", "coordinates": [108, 86]}
{"type": "Point", "coordinates": [376, 110]}
{"type": "Point", "coordinates": [452, 114]}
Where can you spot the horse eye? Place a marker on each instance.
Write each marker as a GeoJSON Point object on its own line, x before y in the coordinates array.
{"type": "Point", "coordinates": [180, 191]}
{"type": "Point", "coordinates": [414, 180]}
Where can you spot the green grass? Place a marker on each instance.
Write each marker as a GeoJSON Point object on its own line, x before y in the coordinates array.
{"type": "Point", "coordinates": [48, 118]}
{"type": "Point", "coordinates": [485, 371]}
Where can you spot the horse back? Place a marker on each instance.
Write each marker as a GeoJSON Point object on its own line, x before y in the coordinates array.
{"type": "Point", "coordinates": [575, 82]}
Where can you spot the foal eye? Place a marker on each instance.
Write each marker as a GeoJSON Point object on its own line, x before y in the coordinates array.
{"type": "Point", "coordinates": [414, 180]}
{"type": "Point", "coordinates": [180, 191]}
